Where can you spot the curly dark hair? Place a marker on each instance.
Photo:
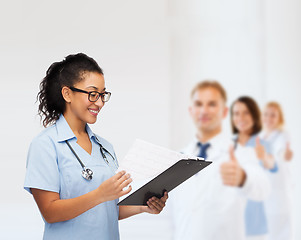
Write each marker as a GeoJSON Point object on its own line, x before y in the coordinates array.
{"type": "Point", "coordinates": [254, 111]}
{"type": "Point", "coordinates": [65, 73]}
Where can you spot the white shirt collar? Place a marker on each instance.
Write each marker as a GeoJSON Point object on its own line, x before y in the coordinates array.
{"type": "Point", "coordinates": [219, 143]}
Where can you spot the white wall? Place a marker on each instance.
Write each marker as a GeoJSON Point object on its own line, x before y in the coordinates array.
{"type": "Point", "coordinates": [152, 53]}
{"type": "Point", "coordinates": [214, 40]}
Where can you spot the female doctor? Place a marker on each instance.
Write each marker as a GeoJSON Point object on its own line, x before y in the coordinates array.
{"type": "Point", "coordinates": [70, 170]}
{"type": "Point", "coordinates": [279, 206]}
{"type": "Point", "coordinates": [246, 124]}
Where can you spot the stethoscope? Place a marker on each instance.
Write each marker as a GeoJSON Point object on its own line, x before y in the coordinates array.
{"type": "Point", "coordinates": [87, 173]}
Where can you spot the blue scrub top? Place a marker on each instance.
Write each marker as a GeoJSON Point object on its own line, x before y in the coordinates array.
{"type": "Point", "coordinates": [255, 218]}
{"type": "Point", "coordinates": [51, 166]}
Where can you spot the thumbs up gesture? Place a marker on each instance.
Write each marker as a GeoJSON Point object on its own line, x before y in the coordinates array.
{"type": "Point", "coordinates": [288, 154]}
{"type": "Point", "coordinates": [268, 160]}
{"type": "Point", "coordinates": [259, 149]}
{"type": "Point", "coordinates": [231, 172]}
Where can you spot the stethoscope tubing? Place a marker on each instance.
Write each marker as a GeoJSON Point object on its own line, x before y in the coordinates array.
{"type": "Point", "coordinates": [87, 173]}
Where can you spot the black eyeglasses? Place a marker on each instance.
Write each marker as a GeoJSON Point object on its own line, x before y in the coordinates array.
{"type": "Point", "coordinates": [93, 96]}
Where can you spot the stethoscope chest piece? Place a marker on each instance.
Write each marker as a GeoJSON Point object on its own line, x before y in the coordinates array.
{"type": "Point", "coordinates": [87, 173]}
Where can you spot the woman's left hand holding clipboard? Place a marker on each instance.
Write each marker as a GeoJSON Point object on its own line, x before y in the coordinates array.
{"type": "Point", "coordinates": [155, 205]}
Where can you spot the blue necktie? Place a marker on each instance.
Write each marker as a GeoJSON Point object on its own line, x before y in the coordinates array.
{"type": "Point", "coordinates": [203, 150]}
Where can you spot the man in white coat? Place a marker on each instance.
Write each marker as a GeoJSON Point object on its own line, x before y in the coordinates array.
{"type": "Point", "coordinates": [211, 204]}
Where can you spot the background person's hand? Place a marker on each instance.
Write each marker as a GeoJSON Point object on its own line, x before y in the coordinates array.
{"type": "Point", "coordinates": [288, 153]}
{"type": "Point", "coordinates": [259, 149]}
{"type": "Point", "coordinates": [267, 160]}
{"type": "Point", "coordinates": [231, 172]}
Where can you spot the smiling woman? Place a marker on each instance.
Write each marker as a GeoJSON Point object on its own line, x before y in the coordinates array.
{"type": "Point", "coordinates": [71, 170]}
{"type": "Point", "coordinates": [246, 124]}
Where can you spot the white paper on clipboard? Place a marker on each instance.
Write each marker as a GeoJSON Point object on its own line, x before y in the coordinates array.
{"type": "Point", "coordinates": [146, 160]}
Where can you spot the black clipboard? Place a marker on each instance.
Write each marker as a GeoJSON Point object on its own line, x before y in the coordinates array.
{"type": "Point", "coordinates": [166, 181]}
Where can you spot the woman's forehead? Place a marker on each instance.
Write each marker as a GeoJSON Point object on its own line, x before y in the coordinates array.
{"type": "Point", "coordinates": [92, 80]}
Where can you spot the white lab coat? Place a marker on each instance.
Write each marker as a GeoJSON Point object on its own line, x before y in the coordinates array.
{"type": "Point", "coordinates": [279, 204]}
{"type": "Point", "coordinates": [204, 208]}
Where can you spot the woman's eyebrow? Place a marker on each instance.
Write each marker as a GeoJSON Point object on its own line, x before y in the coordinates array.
{"type": "Point", "coordinates": [92, 87]}
{"type": "Point", "coordinates": [95, 88]}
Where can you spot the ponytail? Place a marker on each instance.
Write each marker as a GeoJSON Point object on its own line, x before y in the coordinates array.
{"type": "Point", "coordinates": [60, 74]}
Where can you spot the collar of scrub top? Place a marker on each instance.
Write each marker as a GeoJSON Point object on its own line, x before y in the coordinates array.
{"type": "Point", "coordinates": [65, 133]}
{"type": "Point", "coordinates": [251, 142]}
{"type": "Point", "coordinates": [235, 140]}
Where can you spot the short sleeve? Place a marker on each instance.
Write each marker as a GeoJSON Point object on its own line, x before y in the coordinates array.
{"type": "Point", "coordinates": [42, 169]}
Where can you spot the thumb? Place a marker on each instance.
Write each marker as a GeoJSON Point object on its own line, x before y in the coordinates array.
{"type": "Point", "coordinates": [287, 145]}
{"type": "Point", "coordinates": [231, 154]}
{"type": "Point", "coordinates": [257, 141]}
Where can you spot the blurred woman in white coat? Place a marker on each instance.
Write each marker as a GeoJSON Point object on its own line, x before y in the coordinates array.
{"type": "Point", "coordinates": [279, 205]}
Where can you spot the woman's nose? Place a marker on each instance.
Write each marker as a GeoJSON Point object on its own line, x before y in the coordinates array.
{"type": "Point", "coordinates": [99, 103]}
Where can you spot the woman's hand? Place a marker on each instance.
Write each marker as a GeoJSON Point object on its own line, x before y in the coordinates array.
{"type": "Point", "coordinates": [267, 160]}
{"type": "Point", "coordinates": [259, 149]}
{"type": "Point", "coordinates": [155, 205]}
{"type": "Point", "coordinates": [288, 154]}
{"type": "Point", "coordinates": [113, 187]}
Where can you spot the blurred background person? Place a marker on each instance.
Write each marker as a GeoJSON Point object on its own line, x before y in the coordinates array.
{"type": "Point", "coordinates": [279, 204]}
{"type": "Point", "coordinates": [211, 204]}
{"type": "Point", "coordinates": [246, 125]}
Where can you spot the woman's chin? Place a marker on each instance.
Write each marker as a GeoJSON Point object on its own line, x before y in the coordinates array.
{"type": "Point", "coordinates": [92, 119]}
